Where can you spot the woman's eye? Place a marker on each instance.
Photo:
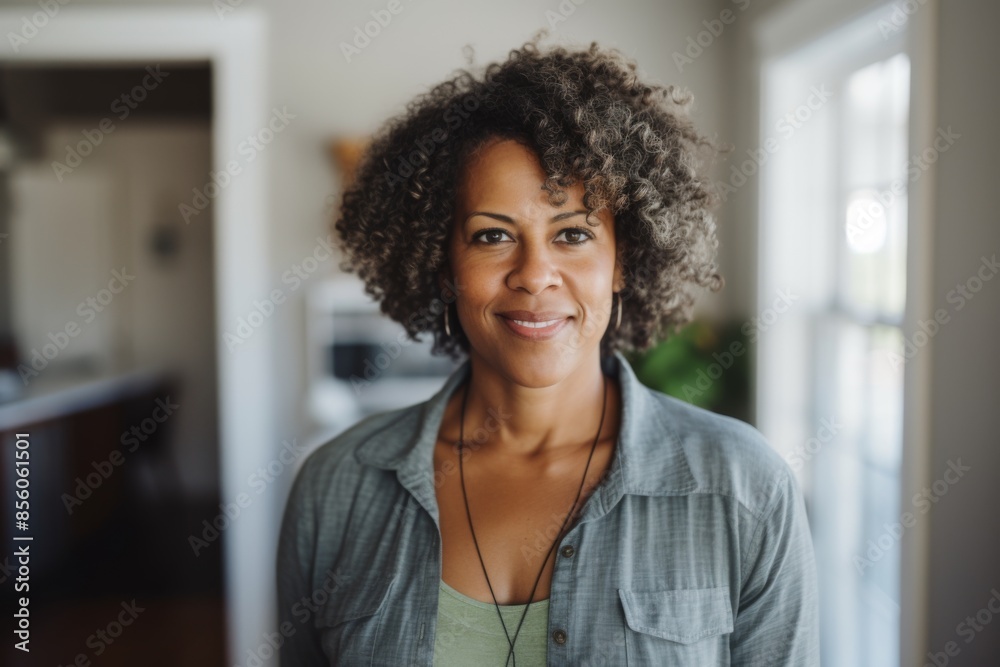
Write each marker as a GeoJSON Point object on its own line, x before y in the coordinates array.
{"type": "Point", "coordinates": [492, 236]}
{"type": "Point", "coordinates": [576, 235]}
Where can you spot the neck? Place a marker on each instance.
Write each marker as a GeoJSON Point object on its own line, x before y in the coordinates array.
{"type": "Point", "coordinates": [508, 417]}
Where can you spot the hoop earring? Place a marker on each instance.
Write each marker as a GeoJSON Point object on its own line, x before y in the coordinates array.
{"type": "Point", "coordinates": [447, 328]}
{"type": "Point", "coordinates": [619, 322]}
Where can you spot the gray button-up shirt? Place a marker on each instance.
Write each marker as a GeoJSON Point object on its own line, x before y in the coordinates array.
{"type": "Point", "coordinates": [694, 549]}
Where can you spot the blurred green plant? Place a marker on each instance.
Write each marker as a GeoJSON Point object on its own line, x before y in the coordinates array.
{"type": "Point", "coordinates": [705, 364]}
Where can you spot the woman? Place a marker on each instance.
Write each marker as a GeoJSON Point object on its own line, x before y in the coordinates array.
{"type": "Point", "coordinates": [544, 507]}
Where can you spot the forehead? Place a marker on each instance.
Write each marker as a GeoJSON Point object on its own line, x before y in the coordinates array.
{"type": "Point", "coordinates": [506, 172]}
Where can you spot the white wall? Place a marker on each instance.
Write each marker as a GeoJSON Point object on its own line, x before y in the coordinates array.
{"type": "Point", "coordinates": [965, 384]}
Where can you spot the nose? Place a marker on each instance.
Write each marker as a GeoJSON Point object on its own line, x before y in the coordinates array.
{"type": "Point", "coordinates": [535, 268]}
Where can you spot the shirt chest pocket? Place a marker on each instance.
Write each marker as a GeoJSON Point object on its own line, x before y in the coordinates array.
{"type": "Point", "coordinates": [677, 627]}
{"type": "Point", "coordinates": [352, 623]}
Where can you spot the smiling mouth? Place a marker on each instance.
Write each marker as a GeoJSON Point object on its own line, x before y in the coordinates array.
{"type": "Point", "coordinates": [535, 325]}
{"type": "Point", "coordinates": [535, 331]}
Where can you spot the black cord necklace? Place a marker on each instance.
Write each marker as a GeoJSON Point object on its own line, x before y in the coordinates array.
{"type": "Point", "coordinates": [461, 439]}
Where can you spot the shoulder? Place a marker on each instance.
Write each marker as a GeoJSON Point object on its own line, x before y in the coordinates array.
{"type": "Point", "coordinates": [726, 455]}
{"type": "Point", "coordinates": [332, 467]}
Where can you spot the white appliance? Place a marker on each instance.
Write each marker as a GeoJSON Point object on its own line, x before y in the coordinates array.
{"type": "Point", "coordinates": [361, 362]}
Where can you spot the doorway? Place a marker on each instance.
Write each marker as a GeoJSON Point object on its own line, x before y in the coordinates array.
{"type": "Point", "coordinates": [148, 341]}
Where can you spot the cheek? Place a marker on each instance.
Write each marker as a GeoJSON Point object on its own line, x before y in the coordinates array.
{"type": "Point", "coordinates": [599, 306]}
{"type": "Point", "coordinates": [595, 276]}
{"type": "Point", "coordinates": [477, 289]}
{"type": "Point", "coordinates": [479, 278]}
{"type": "Point", "coordinates": [595, 287]}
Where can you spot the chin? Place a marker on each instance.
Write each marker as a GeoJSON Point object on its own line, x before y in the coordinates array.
{"type": "Point", "coordinates": [544, 366]}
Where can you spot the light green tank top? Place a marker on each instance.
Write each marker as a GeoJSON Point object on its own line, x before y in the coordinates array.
{"type": "Point", "coordinates": [469, 632]}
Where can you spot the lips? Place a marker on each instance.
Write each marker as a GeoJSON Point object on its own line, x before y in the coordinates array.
{"type": "Point", "coordinates": [534, 325]}
{"type": "Point", "coordinates": [530, 316]}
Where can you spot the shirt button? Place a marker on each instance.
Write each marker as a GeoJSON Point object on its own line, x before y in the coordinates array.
{"type": "Point", "coordinates": [568, 551]}
{"type": "Point", "coordinates": [559, 636]}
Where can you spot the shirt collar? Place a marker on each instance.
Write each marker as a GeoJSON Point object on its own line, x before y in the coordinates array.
{"type": "Point", "coordinates": [649, 458]}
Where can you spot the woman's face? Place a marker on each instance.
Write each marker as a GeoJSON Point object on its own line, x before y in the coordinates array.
{"type": "Point", "coordinates": [535, 281]}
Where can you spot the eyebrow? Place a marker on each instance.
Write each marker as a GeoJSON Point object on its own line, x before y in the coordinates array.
{"type": "Point", "coordinates": [510, 221]}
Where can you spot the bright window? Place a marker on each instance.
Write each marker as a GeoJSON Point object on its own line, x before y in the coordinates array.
{"type": "Point", "coordinates": [830, 395]}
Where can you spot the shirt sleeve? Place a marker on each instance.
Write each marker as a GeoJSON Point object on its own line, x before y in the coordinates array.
{"type": "Point", "coordinates": [777, 621]}
{"type": "Point", "coordinates": [301, 645]}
